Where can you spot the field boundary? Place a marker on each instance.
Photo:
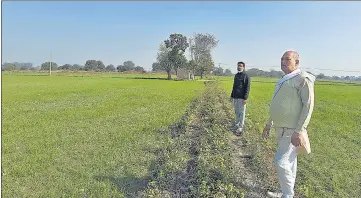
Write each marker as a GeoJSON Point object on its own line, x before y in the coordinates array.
{"type": "Point", "coordinates": [203, 157]}
{"type": "Point", "coordinates": [197, 162]}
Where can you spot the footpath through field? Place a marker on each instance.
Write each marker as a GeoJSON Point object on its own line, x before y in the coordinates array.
{"type": "Point", "coordinates": [204, 158]}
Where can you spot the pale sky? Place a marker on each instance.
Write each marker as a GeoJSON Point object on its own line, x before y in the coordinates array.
{"type": "Point", "coordinates": [327, 35]}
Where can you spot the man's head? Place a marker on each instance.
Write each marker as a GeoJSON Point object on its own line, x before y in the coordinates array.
{"type": "Point", "coordinates": [240, 66]}
{"type": "Point", "coordinates": [290, 61]}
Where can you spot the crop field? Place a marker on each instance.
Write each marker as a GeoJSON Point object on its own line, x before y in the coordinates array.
{"type": "Point", "coordinates": [71, 136]}
{"type": "Point", "coordinates": [105, 135]}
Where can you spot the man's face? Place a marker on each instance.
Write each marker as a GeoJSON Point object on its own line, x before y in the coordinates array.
{"type": "Point", "coordinates": [288, 62]}
{"type": "Point", "coordinates": [240, 67]}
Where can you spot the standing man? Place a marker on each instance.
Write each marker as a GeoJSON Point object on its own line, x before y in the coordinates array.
{"type": "Point", "coordinates": [290, 113]}
{"type": "Point", "coordinates": [240, 92]}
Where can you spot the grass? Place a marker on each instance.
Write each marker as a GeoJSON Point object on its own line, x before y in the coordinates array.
{"type": "Point", "coordinates": [76, 137]}
{"type": "Point", "coordinates": [93, 135]}
{"type": "Point", "coordinates": [333, 168]}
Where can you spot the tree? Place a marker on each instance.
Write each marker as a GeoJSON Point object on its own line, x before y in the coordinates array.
{"type": "Point", "coordinates": [8, 67]}
{"type": "Point", "coordinates": [19, 66]}
{"type": "Point", "coordinates": [156, 67]}
{"type": "Point", "coordinates": [46, 66]}
{"type": "Point", "coordinates": [228, 72]}
{"type": "Point", "coordinates": [90, 65]}
{"type": "Point", "coordinates": [321, 76]}
{"type": "Point", "coordinates": [110, 68]}
{"type": "Point", "coordinates": [218, 71]}
{"type": "Point", "coordinates": [177, 43]}
{"type": "Point", "coordinates": [76, 67]}
{"type": "Point", "coordinates": [121, 68]}
{"type": "Point", "coordinates": [94, 65]}
{"type": "Point", "coordinates": [163, 59]}
{"type": "Point", "coordinates": [139, 69]}
{"type": "Point", "coordinates": [100, 66]}
{"type": "Point", "coordinates": [201, 51]}
{"type": "Point", "coordinates": [275, 74]}
{"type": "Point", "coordinates": [203, 43]}
{"type": "Point", "coordinates": [24, 68]}
{"type": "Point", "coordinates": [129, 65]}
{"type": "Point", "coordinates": [16, 66]}
{"type": "Point", "coordinates": [65, 67]}
{"type": "Point", "coordinates": [205, 64]}
{"type": "Point", "coordinates": [256, 72]}
{"type": "Point", "coordinates": [180, 63]}
{"type": "Point", "coordinates": [192, 67]}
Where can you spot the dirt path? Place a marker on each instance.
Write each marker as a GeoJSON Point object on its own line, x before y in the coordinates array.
{"type": "Point", "coordinates": [247, 178]}
{"type": "Point", "coordinates": [204, 158]}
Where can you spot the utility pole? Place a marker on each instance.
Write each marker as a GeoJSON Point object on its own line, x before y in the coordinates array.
{"type": "Point", "coordinates": [191, 57]}
{"type": "Point", "coordinates": [50, 65]}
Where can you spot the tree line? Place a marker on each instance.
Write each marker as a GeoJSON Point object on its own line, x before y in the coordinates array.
{"type": "Point", "coordinates": [170, 58]}
{"type": "Point", "coordinates": [90, 65]}
{"type": "Point", "coordinates": [279, 74]}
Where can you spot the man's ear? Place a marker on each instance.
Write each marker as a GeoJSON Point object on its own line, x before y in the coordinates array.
{"type": "Point", "coordinates": [297, 62]}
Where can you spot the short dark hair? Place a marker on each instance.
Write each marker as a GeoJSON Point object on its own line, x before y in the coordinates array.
{"type": "Point", "coordinates": [240, 62]}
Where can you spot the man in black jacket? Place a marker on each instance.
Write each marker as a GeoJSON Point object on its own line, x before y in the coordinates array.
{"type": "Point", "coordinates": [239, 96]}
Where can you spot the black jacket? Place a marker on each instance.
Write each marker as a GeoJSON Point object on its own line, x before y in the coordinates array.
{"type": "Point", "coordinates": [241, 86]}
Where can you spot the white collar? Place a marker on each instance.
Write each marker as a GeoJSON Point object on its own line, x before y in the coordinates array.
{"type": "Point", "coordinates": [288, 76]}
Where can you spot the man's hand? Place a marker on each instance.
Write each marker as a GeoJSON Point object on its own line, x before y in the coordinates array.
{"type": "Point", "coordinates": [296, 139]}
{"type": "Point", "coordinates": [266, 131]}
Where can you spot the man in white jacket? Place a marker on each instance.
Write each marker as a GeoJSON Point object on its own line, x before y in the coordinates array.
{"type": "Point", "coordinates": [290, 113]}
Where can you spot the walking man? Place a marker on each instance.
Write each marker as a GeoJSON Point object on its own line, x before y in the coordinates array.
{"type": "Point", "coordinates": [290, 113]}
{"type": "Point", "coordinates": [240, 92]}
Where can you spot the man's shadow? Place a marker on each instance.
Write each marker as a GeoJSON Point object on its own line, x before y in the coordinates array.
{"type": "Point", "coordinates": [130, 185]}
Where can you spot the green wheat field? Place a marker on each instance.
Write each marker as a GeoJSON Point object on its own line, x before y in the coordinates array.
{"type": "Point", "coordinates": [89, 135]}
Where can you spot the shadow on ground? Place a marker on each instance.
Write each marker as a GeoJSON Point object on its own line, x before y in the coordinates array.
{"type": "Point", "coordinates": [130, 185]}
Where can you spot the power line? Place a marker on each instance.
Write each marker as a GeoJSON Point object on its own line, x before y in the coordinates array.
{"type": "Point", "coordinates": [338, 70]}
{"type": "Point", "coordinates": [332, 70]}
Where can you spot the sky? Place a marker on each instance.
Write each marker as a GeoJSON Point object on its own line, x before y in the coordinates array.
{"type": "Point", "coordinates": [327, 35]}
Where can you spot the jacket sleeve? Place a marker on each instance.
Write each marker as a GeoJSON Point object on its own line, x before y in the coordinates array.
{"type": "Point", "coordinates": [306, 92]}
{"type": "Point", "coordinates": [248, 85]}
{"type": "Point", "coordinates": [232, 94]}
{"type": "Point", "coordinates": [269, 122]}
